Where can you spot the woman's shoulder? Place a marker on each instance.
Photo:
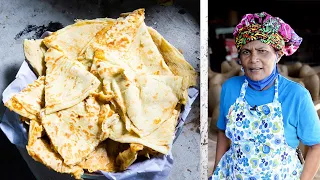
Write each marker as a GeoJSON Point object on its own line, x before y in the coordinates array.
{"type": "Point", "coordinates": [290, 86]}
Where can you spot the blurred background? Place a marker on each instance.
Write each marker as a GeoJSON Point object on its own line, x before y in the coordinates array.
{"type": "Point", "coordinates": [302, 67]}
{"type": "Point", "coordinates": [302, 16]}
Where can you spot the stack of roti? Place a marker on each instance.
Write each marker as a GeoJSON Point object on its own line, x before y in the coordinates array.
{"type": "Point", "coordinates": [108, 91]}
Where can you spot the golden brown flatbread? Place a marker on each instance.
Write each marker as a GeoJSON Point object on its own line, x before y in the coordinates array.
{"type": "Point", "coordinates": [127, 157]}
{"type": "Point", "coordinates": [147, 101]}
{"type": "Point", "coordinates": [74, 132]}
{"type": "Point", "coordinates": [128, 44]}
{"type": "Point", "coordinates": [52, 57]}
{"type": "Point", "coordinates": [29, 101]}
{"type": "Point", "coordinates": [68, 84]}
{"type": "Point", "coordinates": [159, 140]}
{"type": "Point", "coordinates": [41, 151]}
{"type": "Point", "coordinates": [100, 159]}
{"type": "Point", "coordinates": [34, 52]}
{"type": "Point", "coordinates": [174, 59]}
{"type": "Point", "coordinates": [111, 90]}
{"type": "Point", "coordinates": [73, 38]}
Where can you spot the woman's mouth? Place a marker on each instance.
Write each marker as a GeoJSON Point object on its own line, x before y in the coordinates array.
{"type": "Point", "coordinates": [254, 69]}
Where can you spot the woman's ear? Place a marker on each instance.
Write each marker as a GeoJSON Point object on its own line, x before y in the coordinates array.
{"type": "Point", "coordinates": [239, 61]}
{"type": "Point", "coordinates": [279, 55]}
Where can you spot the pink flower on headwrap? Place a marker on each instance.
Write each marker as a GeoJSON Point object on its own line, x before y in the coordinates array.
{"type": "Point", "coordinates": [268, 29]}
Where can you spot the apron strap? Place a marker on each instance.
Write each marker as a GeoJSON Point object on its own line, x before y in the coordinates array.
{"type": "Point", "coordinates": [276, 92]}
{"type": "Point", "coordinates": [243, 89]}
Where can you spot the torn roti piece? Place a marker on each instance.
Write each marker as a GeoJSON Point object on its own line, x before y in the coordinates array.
{"type": "Point", "coordinates": [129, 156]}
{"type": "Point", "coordinates": [116, 39]}
{"type": "Point", "coordinates": [143, 57]}
{"type": "Point", "coordinates": [51, 57]}
{"type": "Point", "coordinates": [151, 101]}
{"type": "Point", "coordinates": [68, 84]}
{"type": "Point", "coordinates": [146, 152]}
{"type": "Point", "coordinates": [100, 159]}
{"type": "Point", "coordinates": [147, 101]}
{"type": "Point", "coordinates": [34, 52]}
{"type": "Point", "coordinates": [107, 117]}
{"type": "Point", "coordinates": [29, 101]}
{"type": "Point", "coordinates": [159, 140]}
{"type": "Point", "coordinates": [41, 151]}
{"type": "Point", "coordinates": [129, 45]}
{"type": "Point", "coordinates": [174, 59]}
{"type": "Point", "coordinates": [74, 132]}
{"type": "Point", "coordinates": [73, 38]}
{"type": "Point", "coordinates": [24, 119]}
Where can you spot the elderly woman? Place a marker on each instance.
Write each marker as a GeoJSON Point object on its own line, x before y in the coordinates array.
{"type": "Point", "coordinates": [263, 114]}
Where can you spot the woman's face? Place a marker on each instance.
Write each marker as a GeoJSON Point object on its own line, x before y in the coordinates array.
{"type": "Point", "coordinates": [258, 60]}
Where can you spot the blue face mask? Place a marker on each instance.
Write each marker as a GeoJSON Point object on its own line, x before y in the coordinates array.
{"type": "Point", "coordinates": [259, 85]}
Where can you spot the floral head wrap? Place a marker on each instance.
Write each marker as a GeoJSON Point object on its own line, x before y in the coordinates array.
{"type": "Point", "coordinates": [269, 30]}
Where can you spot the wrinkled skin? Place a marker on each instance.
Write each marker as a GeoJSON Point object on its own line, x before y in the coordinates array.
{"type": "Point", "coordinates": [258, 60]}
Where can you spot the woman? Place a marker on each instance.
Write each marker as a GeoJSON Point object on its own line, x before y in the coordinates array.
{"type": "Point", "coordinates": [262, 113]}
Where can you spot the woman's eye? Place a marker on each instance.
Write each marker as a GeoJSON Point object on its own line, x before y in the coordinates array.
{"type": "Point", "coordinates": [244, 52]}
{"type": "Point", "coordinates": [262, 51]}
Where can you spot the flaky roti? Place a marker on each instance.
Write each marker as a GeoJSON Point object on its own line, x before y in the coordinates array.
{"type": "Point", "coordinates": [109, 91]}
{"type": "Point", "coordinates": [147, 58]}
{"type": "Point", "coordinates": [34, 52]}
{"type": "Point", "coordinates": [100, 159]}
{"type": "Point", "coordinates": [147, 101]}
{"type": "Point", "coordinates": [128, 48]}
{"type": "Point", "coordinates": [127, 157]}
{"type": "Point", "coordinates": [110, 44]}
{"type": "Point", "coordinates": [68, 84]}
{"type": "Point", "coordinates": [74, 132]}
{"type": "Point", "coordinates": [52, 57]}
{"type": "Point", "coordinates": [174, 59]}
{"type": "Point", "coordinates": [73, 38]}
{"type": "Point", "coordinates": [41, 151]}
{"type": "Point", "coordinates": [29, 101]}
{"type": "Point", "coordinates": [129, 45]}
{"type": "Point", "coordinates": [159, 140]}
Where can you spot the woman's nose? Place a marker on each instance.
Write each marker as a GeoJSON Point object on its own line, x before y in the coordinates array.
{"type": "Point", "coordinates": [254, 58]}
